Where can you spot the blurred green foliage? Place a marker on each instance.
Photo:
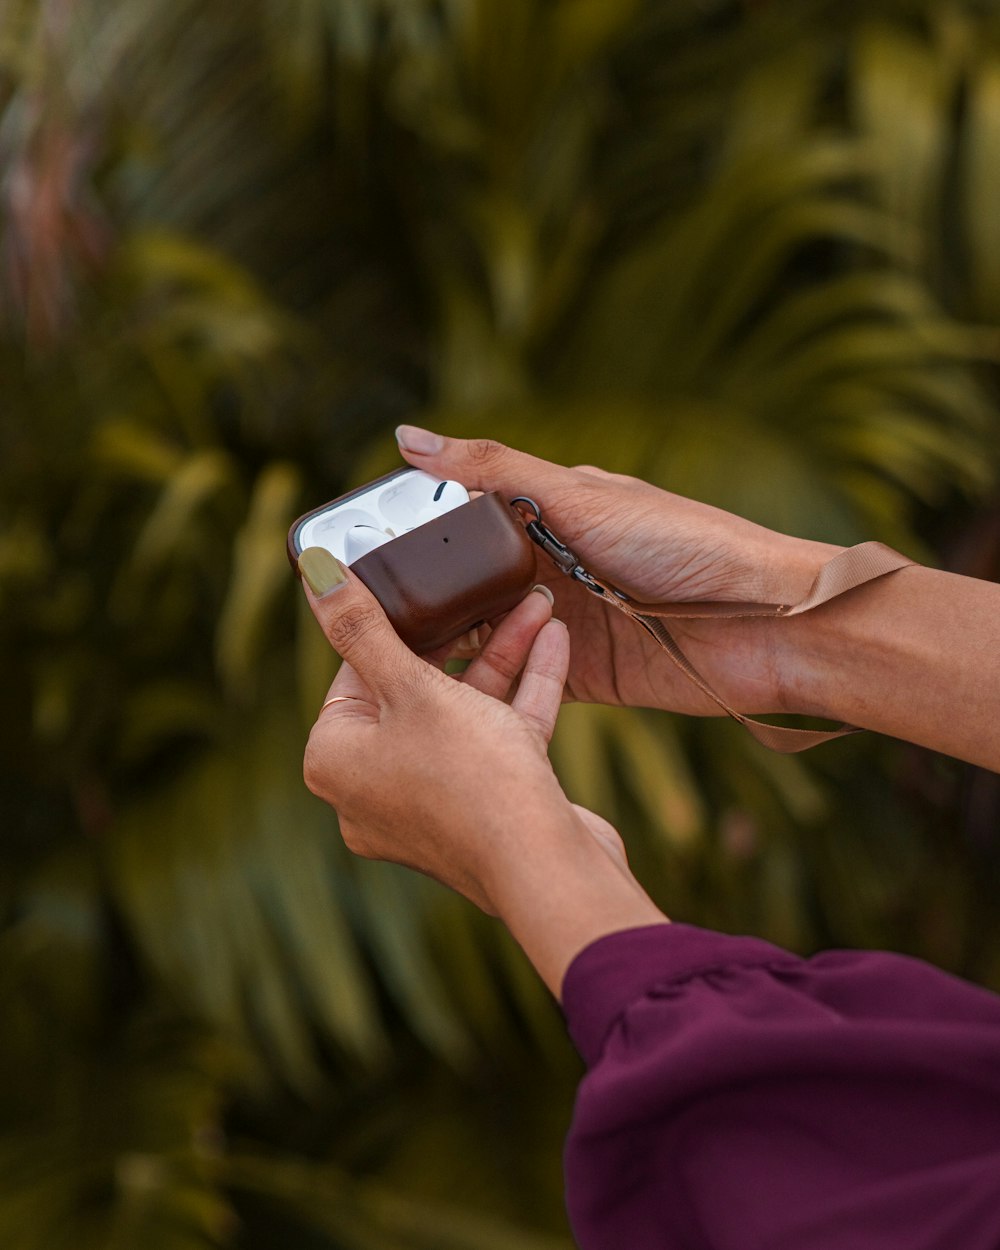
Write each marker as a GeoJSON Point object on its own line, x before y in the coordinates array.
{"type": "Point", "coordinates": [750, 252]}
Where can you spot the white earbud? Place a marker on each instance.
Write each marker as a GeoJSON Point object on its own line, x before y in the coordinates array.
{"type": "Point", "coordinates": [403, 505]}
{"type": "Point", "coordinates": [446, 496]}
{"type": "Point", "coordinates": [362, 539]}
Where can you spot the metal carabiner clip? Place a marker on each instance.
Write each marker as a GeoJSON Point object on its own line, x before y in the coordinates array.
{"type": "Point", "coordinates": [557, 551]}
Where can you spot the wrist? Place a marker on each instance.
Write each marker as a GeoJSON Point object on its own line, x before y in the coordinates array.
{"type": "Point", "coordinates": [755, 662]}
{"type": "Point", "coordinates": [789, 567]}
{"type": "Point", "coordinates": [792, 567]}
{"type": "Point", "coordinates": [558, 889]}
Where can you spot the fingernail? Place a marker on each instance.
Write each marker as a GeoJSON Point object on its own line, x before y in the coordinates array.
{"type": "Point", "coordinates": [322, 571]}
{"type": "Point", "coordinates": [544, 590]}
{"type": "Point", "coordinates": [468, 644]}
{"type": "Point", "coordinates": [413, 438]}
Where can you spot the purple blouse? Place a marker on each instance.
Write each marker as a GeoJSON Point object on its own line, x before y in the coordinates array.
{"type": "Point", "coordinates": [739, 1097]}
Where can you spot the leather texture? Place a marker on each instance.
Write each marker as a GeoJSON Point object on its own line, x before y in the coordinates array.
{"type": "Point", "coordinates": [449, 575]}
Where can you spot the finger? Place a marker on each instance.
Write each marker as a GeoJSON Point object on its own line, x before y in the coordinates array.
{"type": "Point", "coordinates": [465, 648]}
{"type": "Point", "coordinates": [355, 624]}
{"type": "Point", "coordinates": [504, 654]}
{"type": "Point", "coordinates": [539, 695]}
{"type": "Point", "coordinates": [488, 465]}
{"type": "Point", "coordinates": [468, 645]}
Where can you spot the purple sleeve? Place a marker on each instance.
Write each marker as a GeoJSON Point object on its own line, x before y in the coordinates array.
{"type": "Point", "coordinates": [741, 1098]}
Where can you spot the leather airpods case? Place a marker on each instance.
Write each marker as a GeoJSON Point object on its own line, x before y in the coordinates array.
{"type": "Point", "coordinates": [438, 579]}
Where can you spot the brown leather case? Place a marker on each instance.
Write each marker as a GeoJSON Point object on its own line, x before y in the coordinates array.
{"type": "Point", "coordinates": [450, 574]}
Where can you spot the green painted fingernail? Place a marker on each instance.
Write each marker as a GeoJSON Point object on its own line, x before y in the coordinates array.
{"type": "Point", "coordinates": [322, 571]}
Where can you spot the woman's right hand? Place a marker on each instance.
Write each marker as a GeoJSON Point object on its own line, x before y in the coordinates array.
{"type": "Point", "coordinates": [657, 547]}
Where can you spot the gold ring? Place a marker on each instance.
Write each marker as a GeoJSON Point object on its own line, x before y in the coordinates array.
{"type": "Point", "coordinates": [340, 698]}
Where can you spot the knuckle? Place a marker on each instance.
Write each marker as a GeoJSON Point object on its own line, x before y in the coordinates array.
{"type": "Point", "coordinates": [485, 452]}
{"type": "Point", "coordinates": [548, 669]}
{"type": "Point", "coordinates": [605, 477]}
{"type": "Point", "coordinates": [352, 626]}
{"type": "Point", "coordinates": [503, 659]}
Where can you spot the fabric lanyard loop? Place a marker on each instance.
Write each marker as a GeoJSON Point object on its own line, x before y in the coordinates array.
{"type": "Point", "coordinates": [845, 571]}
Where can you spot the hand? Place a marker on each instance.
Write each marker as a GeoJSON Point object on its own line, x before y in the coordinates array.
{"type": "Point", "coordinates": [658, 547]}
{"type": "Point", "coordinates": [439, 773]}
{"type": "Point", "coordinates": [910, 656]}
{"type": "Point", "coordinates": [427, 770]}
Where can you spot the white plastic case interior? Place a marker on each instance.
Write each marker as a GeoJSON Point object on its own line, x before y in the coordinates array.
{"type": "Point", "coordinates": [394, 506]}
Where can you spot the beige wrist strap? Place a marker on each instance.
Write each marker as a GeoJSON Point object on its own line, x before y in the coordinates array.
{"type": "Point", "coordinates": [846, 571]}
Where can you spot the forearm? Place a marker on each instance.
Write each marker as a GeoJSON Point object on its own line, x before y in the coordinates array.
{"type": "Point", "coordinates": [912, 655]}
{"type": "Point", "coordinates": [557, 890]}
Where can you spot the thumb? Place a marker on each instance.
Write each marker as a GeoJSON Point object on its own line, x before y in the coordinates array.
{"type": "Point", "coordinates": [353, 621]}
{"type": "Point", "coordinates": [484, 464]}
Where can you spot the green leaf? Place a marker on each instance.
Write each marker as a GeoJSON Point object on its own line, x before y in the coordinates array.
{"type": "Point", "coordinates": [903, 94]}
{"type": "Point", "coordinates": [659, 776]}
{"type": "Point", "coordinates": [981, 186]}
{"type": "Point", "coordinates": [260, 579]}
{"type": "Point", "coordinates": [234, 891]}
{"type": "Point", "coordinates": [580, 756]}
{"type": "Point", "coordinates": [130, 449]}
{"type": "Point", "coordinates": [203, 476]}
{"type": "Point", "coordinates": [370, 1216]}
{"type": "Point", "coordinates": [774, 101]}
